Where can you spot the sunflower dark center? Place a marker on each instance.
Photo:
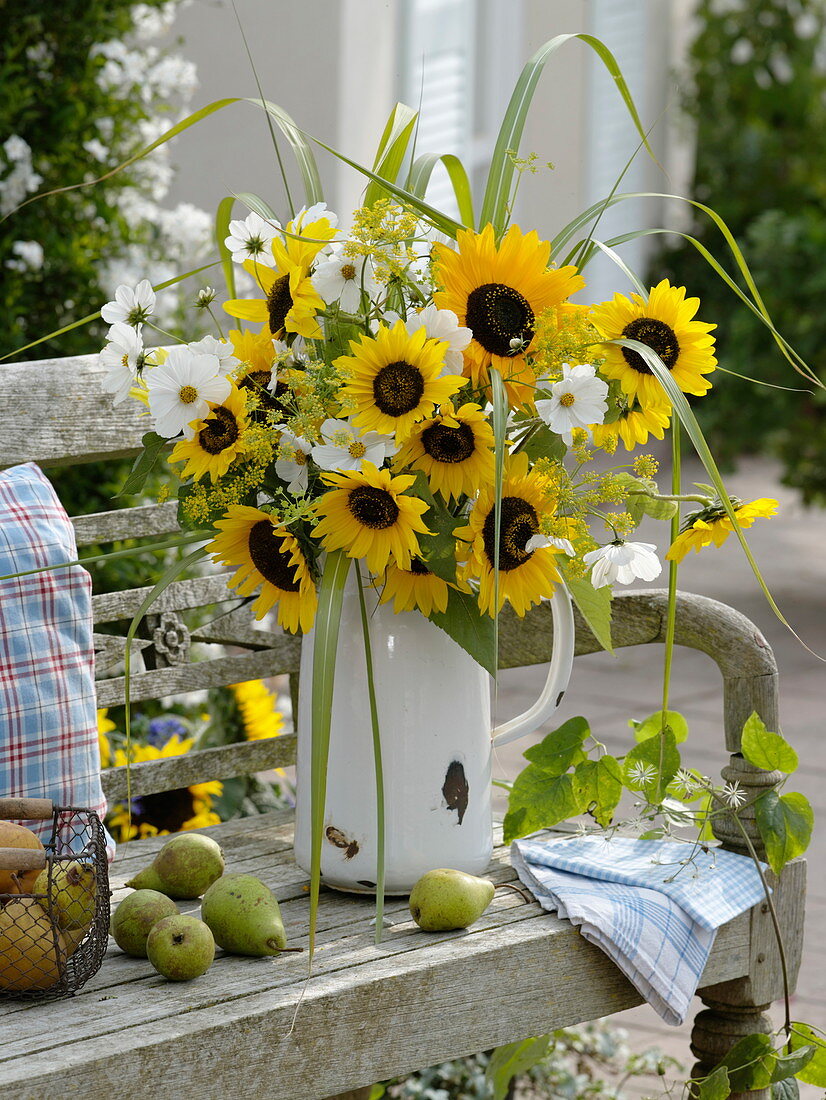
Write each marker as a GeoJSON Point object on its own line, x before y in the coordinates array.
{"type": "Point", "coordinates": [372, 507]}
{"type": "Point", "coordinates": [279, 303]}
{"type": "Point", "coordinates": [519, 521]}
{"type": "Point", "coordinates": [418, 567]}
{"type": "Point", "coordinates": [445, 444]}
{"type": "Point", "coordinates": [219, 432]}
{"type": "Point", "coordinates": [257, 382]}
{"type": "Point", "coordinates": [497, 314]}
{"type": "Point", "coordinates": [271, 562]}
{"type": "Point", "coordinates": [398, 388]}
{"type": "Point", "coordinates": [659, 336]}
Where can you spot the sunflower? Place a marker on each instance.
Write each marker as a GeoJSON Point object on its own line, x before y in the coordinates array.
{"type": "Point", "coordinates": [453, 449]}
{"type": "Point", "coordinates": [290, 301]}
{"type": "Point", "coordinates": [713, 524]}
{"type": "Point", "coordinates": [369, 516]}
{"type": "Point", "coordinates": [414, 588]}
{"type": "Point", "coordinates": [633, 426]}
{"type": "Point", "coordinates": [665, 322]}
{"type": "Point", "coordinates": [267, 555]}
{"type": "Point", "coordinates": [525, 576]}
{"type": "Point", "coordinates": [258, 708]}
{"type": "Point", "coordinates": [218, 439]}
{"type": "Point", "coordinates": [393, 379]}
{"type": "Point", "coordinates": [498, 292]}
{"type": "Point", "coordinates": [166, 812]}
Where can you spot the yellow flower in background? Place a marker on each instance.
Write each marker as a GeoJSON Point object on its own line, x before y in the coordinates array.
{"type": "Point", "coordinates": [392, 379]}
{"type": "Point", "coordinates": [413, 588]}
{"type": "Point", "coordinates": [217, 441]}
{"type": "Point", "coordinates": [105, 726]}
{"type": "Point", "coordinates": [498, 291]}
{"type": "Point", "coordinates": [525, 574]}
{"type": "Point", "coordinates": [633, 426]}
{"type": "Point", "coordinates": [258, 709]}
{"type": "Point", "coordinates": [269, 557]}
{"type": "Point", "coordinates": [454, 449]}
{"type": "Point", "coordinates": [665, 322]}
{"type": "Point", "coordinates": [714, 525]}
{"type": "Point", "coordinates": [368, 515]}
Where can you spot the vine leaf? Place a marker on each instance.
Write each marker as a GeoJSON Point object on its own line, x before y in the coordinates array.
{"type": "Point", "coordinates": [785, 823]}
{"type": "Point", "coordinates": [561, 748]}
{"type": "Point", "coordinates": [653, 724]}
{"type": "Point", "coordinates": [767, 750]}
{"type": "Point", "coordinates": [598, 786]}
{"type": "Point", "coordinates": [750, 1063]}
{"type": "Point", "coordinates": [716, 1086]}
{"type": "Point", "coordinates": [659, 753]}
{"type": "Point", "coordinates": [539, 800]}
{"type": "Point", "coordinates": [814, 1072]}
{"type": "Point", "coordinates": [513, 1059]}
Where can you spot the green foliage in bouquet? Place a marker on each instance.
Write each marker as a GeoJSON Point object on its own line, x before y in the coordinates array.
{"type": "Point", "coordinates": [757, 98]}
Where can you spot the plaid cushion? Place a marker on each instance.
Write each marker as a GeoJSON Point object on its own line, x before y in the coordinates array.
{"type": "Point", "coordinates": [48, 713]}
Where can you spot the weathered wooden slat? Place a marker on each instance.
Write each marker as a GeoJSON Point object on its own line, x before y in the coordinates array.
{"type": "Point", "coordinates": [56, 413]}
{"type": "Point", "coordinates": [221, 762]}
{"type": "Point", "coordinates": [127, 523]}
{"type": "Point", "coordinates": [203, 674]}
{"type": "Point", "coordinates": [178, 596]}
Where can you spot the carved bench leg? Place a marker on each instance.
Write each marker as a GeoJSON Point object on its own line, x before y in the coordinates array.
{"type": "Point", "coordinates": [717, 1028]}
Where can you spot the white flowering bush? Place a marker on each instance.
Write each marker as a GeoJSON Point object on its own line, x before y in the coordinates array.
{"type": "Point", "coordinates": [84, 87]}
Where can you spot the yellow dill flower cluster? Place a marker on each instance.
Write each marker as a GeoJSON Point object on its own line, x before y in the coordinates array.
{"type": "Point", "coordinates": [564, 335]}
{"type": "Point", "coordinates": [621, 522]}
{"type": "Point", "coordinates": [383, 232]}
{"type": "Point", "coordinates": [646, 466]}
{"type": "Point", "coordinates": [581, 439]}
{"type": "Point", "coordinates": [205, 502]}
{"type": "Point", "coordinates": [314, 397]}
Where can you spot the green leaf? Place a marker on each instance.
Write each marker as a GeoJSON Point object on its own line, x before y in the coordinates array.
{"type": "Point", "coordinates": [814, 1073]}
{"type": "Point", "coordinates": [560, 748]}
{"type": "Point", "coordinates": [714, 1087]}
{"type": "Point", "coordinates": [507, 1062]}
{"type": "Point", "coordinates": [657, 753]}
{"type": "Point", "coordinates": [767, 750]}
{"type": "Point", "coordinates": [598, 787]}
{"type": "Point", "coordinates": [787, 1089]}
{"type": "Point", "coordinates": [438, 549]}
{"type": "Point", "coordinates": [594, 605]}
{"type": "Point", "coordinates": [651, 726]}
{"type": "Point", "coordinates": [785, 823]}
{"type": "Point", "coordinates": [143, 465]}
{"type": "Point", "coordinates": [640, 502]}
{"type": "Point", "coordinates": [469, 627]}
{"type": "Point", "coordinates": [543, 443]}
{"type": "Point", "coordinates": [750, 1063]}
{"type": "Point", "coordinates": [539, 800]}
{"type": "Point", "coordinates": [790, 1065]}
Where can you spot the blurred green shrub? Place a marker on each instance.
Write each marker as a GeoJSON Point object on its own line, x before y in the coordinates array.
{"type": "Point", "coordinates": [757, 98]}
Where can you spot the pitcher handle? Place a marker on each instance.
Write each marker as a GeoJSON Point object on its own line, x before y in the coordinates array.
{"type": "Point", "coordinates": [562, 659]}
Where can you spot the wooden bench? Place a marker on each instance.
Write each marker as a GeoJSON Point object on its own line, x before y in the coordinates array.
{"type": "Point", "coordinates": [368, 1012]}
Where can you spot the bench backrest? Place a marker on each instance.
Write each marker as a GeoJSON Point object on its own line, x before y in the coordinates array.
{"type": "Point", "coordinates": [56, 413]}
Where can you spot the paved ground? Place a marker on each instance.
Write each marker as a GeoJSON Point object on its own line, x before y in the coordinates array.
{"type": "Point", "coordinates": [790, 552]}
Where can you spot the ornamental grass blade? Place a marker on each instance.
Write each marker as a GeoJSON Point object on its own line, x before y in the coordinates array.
{"type": "Point", "coordinates": [327, 621]}
{"type": "Point", "coordinates": [223, 216]}
{"type": "Point", "coordinates": [422, 170]}
{"type": "Point", "coordinates": [689, 422]}
{"type": "Point", "coordinates": [496, 202]}
{"type": "Point", "coordinates": [392, 151]}
{"type": "Point", "coordinates": [499, 399]}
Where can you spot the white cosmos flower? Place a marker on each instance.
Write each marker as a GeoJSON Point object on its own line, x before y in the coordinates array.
{"type": "Point", "coordinates": [343, 449]}
{"type": "Point", "coordinates": [182, 388]}
{"type": "Point", "coordinates": [250, 239]}
{"type": "Point", "coordinates": [223, 352]}
{"type": "Point", "coordinates": [308, 214]}
{"type": "Point", "coordinates": [443, 324]}
{"type": "Point", "coordinates": [131, 306]}
{"type": "Point", "coordinates": [292, 460]}
{"type": "Point", "coordinates": [122, 356]}
{"type": "Point", "coordinates": [539, 542]}
{"type": "Point", "coordinates": [577, 400]}
{"type": "Point", "coordinates": [623, 562]}
{"type": "Point", "coordinates": [342, 278]}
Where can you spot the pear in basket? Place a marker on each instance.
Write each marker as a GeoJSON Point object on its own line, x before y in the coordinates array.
{"type": "Point", "coordinates": [32, 950]}
{"type": "Point", "coordinates": [15, 836]}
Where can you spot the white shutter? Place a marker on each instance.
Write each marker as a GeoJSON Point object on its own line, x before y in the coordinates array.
{"type": "Point", "coordinates": [438, 47]}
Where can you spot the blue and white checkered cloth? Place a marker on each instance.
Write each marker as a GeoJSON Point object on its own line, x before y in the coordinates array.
{"type": "Point", "coordinates": [654, 914]}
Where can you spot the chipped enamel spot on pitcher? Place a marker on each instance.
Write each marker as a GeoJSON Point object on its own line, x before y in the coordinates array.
{"type": "Point", "coordinates": [434, 714]}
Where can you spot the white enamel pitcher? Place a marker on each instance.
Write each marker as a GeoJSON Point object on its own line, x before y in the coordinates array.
{"type": "Point", "coordinates": [434, 716]}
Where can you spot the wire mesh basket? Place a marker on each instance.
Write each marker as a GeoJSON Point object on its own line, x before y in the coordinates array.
{"type": "Point", "coordinates": [54, 899]}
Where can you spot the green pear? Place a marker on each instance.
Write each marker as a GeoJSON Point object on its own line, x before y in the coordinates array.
{"type": "Point", "coordinates": [147, 879]}
{"type": "Point", "coordinates": [180, 948]}
{"type": "Point", "coordinates": [444, 900]}
{"type": "Point", "coordinates": [244, 917]}
{"type": "Point", "coordinates": [135, 918]}
{"type": "Point", "coordinates": [72, 892]}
